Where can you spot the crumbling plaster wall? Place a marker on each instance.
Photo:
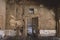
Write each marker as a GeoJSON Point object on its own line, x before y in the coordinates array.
{"type": "Point", "coordinates": [2, 14]}
{"type": "Point", "coordinates": [46, 17]}
{"type": "Point", "coordinates": [10, 14]}
{"type": "Point", "coordinates": [14, 14]}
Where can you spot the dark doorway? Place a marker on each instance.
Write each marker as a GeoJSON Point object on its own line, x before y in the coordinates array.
{"type": "Point", "coordinates": [32, 28]}
{"type": "Point", "coordinates": [35, 26]}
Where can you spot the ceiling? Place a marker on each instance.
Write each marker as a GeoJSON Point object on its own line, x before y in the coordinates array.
{"type": "Point", "coordinates": [49, 3]}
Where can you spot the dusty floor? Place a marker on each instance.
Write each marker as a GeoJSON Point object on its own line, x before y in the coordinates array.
{"type": "Point", "coordinates": [31, 38]}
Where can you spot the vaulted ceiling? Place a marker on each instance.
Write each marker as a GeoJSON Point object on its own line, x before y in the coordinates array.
{"type": "Point", "coordinates": [46, 2]}
{"type": "Point", "coordinates": [50, 3]}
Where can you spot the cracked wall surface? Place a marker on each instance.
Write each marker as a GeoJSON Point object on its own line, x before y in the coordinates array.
{"type": "Point", "coordinates": [2, 14]}
{"type": "Point", "coordinates": [47, 19]}
{"type": "Point", "coordinates": [46, 16]}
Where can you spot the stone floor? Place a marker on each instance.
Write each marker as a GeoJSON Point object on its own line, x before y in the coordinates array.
{"type": "Point", "coordinates": [44, 38]}
{"type": "Point", "coordinates": [48, 38]}
{"type": "Point", "coordinates": [31, 38]}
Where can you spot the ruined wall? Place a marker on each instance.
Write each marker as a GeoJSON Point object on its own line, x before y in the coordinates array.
{"type": "Point", "coordinates": [14, 15]}
{"type": "Point", "coordinates": [10, 14]}
{"type": "Point", "coordinates": [47, 19]}
{"type": "Point", "coordinates": [2, 14]}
